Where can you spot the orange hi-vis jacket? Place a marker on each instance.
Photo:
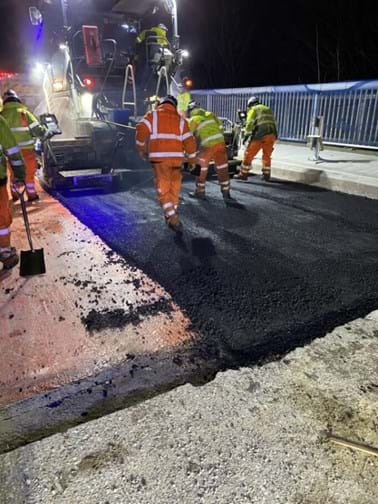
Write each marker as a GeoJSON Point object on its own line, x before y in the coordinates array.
{"type": "Point", "coordinates": [165, 136]}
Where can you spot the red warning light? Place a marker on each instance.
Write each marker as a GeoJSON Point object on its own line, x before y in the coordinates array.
{"type": "Point", "coordinates": [89, 82]}
{"type": "Point", "coordinates": [6, 75]}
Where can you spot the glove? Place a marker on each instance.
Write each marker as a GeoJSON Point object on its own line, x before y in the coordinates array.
{"type": "Point", "coordinates": [46, 136]}
{"type": "Point", "coordinates": [49, 134]}
{"type": "Point", "coordinates": [247, 139]}
{"type": "Point", "coordinates": [143, 156]}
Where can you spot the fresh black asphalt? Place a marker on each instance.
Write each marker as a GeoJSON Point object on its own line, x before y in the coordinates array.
{"type": "Point", "coordinates": [281, 265]}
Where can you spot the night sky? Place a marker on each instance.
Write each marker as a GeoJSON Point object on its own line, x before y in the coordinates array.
{"type": "Point", "coordinates": [250, 42]}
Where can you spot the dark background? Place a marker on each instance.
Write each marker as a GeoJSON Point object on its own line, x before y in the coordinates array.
{"type": "Point", "coordinates": [248, 42]}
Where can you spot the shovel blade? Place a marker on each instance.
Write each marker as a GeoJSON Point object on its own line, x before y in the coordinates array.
{"type": "Point", "coordinates": [32, 263]}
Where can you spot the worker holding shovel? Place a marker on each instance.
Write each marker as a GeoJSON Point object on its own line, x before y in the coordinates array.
{"type": "Point", "coordinates": [8, 150]}
{"type": "Point", "coordinates": [26, 129]}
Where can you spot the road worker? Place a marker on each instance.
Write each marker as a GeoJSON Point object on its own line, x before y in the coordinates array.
{"type": "Point", "coordinates": [163, 137]}
{"type": "Point", "coordinates": [152, 102]}
{"type": "Point", "coordinates": [26, 129]}
{"type": "Point", "coordinates": [158, 52]}
{"type": "Point", "coordinates": [158, 32]}
{"type": "Point", "coordinates": [183, 98]}
{"type": "Point", "coordinates": [208, 130]}
{"type": "Point", "coordinates": [10, 151]}
{"type": "Point", "coordinates": [261, 133]}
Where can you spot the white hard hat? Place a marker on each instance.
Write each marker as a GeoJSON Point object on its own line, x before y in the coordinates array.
{"type": "Point", "coordinates": [253, 101]}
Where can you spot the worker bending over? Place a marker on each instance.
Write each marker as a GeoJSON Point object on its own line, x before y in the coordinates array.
{"type": "Point", "coordinates": [26, 129]}
{"type": "Point", "coordinates": [261, 133]}
{"type": "Point", "coordinates": [164, 138]}
{"type": "Point", "coordinates": [10, 151]}
{"type": "Point", "coordinates": [209, 133]}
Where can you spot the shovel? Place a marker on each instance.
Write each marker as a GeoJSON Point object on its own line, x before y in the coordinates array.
{"type": "Point", "coordinates": [32, 261]}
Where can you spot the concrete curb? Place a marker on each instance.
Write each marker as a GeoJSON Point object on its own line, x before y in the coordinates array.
{"type": "Point", "coordinates": [115, 388]}
{"type": "Point", "coordinates": [357, 185]}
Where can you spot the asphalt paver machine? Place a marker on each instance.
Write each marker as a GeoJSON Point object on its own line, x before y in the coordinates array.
{"type": "Point", "coordinates": [97, 81]}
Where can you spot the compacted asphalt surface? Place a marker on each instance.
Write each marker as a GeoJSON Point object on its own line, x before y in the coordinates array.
{"type": "Point", "coordinates": [282, 264]}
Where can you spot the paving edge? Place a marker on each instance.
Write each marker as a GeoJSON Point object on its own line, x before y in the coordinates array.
{"type": "Point", "coordinates": [32, 419]}
{"type": "Point", "coordinates": [326, 179]}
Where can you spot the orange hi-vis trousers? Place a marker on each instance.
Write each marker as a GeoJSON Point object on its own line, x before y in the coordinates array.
{"type": "Point", "coordinates": [31, 166]}
{"type": "Point", "coordinates": [5, 216]}
{"type": "Point", "coordinates": [168, 180]}
{"type": "Point", "coordinates": [218, 154]}
{"type": "Point", "coordinates": [265, 143]}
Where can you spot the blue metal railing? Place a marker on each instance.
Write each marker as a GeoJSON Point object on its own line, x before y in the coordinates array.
{"type": "Point", "coordinates": [350, 109]}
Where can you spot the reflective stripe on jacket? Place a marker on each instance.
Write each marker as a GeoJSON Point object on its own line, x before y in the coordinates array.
{"type": "Point", "coordinates": [9, 149]}
{"type": "Point", "coordinates": [260, 122]}
{"type": "Point", "coordinates": [23, 123]}
{"type": "Point", "coordinates": [207, 127]}
{"type": "Point", "coordinates": [165, 136]}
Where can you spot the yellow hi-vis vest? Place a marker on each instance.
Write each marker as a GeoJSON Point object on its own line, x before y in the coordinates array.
{"type": "Point", "coordinates": [24, 125]}
{"type": "Point", "coordinates": [183, 100]}
{"type": "Point", "coordinates": [260, 122]}
{"type": "Point", "coordinates": [206, 127]}
{"type": "Point", "coordinates": [159, 33]}
{"type": "Point", "coordinates": [10, 150]}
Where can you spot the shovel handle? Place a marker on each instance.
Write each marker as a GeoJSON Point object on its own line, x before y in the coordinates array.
{"type": "Point", "coordinates": [26, 218]}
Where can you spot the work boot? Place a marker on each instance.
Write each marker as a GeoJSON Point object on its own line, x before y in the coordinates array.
{"type": "Point", "coordinates": [33, 197]}
{"type": "Point", "coordinates": [243, 173]}
{"type": "Point", "coordinates": [241, 176]}
{"type": "Point", "coordinates": [9, 257]}
{"type": "Point", "coordinates": [226, 195]}
{"type": "Point", "coordinates": [175, 224]}
{"type": "Point", "coordinates": [266, 175]}
{"type": "Point", "coordinates": [197, 195]}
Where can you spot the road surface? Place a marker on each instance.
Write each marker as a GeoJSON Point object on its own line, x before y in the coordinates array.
{"type": "Point", "coordinates": [281, 265]}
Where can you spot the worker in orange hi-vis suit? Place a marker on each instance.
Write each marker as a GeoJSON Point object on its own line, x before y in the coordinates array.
{"type": "Point", "coordinates": [164, 136]}
{"type": "Point", "coordinates": [26, 128]}
{"type": "Point", "coordinates": [9, 152]}
{"type": "Point", "coordinates": [208, 130]}
{"type": "Point", "coordinates": [261, 134]}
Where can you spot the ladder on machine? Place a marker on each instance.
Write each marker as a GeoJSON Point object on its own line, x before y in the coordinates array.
{"type": "Point", "coordinates": [163, 76]}
{"type": "Point", "coordinates": [129, 79]}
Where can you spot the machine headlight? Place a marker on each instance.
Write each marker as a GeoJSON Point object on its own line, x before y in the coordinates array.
{"type": "Point", "coordinates": [57, 86]}
{"type": "Point", "coordinates": [86, 104]}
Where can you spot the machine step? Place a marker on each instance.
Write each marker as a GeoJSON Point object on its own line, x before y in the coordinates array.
{"type": "Point", "coordinates": [91, 172]}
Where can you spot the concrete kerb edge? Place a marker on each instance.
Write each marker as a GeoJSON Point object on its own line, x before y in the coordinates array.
{"type": "Point", "coordinates": [143, 377]}
{"type": "Point", "coordinates": [139, 379]}
{"type": "Point", "coordinates": [325, 179]}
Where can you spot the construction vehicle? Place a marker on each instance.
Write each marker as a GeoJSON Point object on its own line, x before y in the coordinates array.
{"type": "Point", "coordinates": [233, 136]}
{"type": "Point", "coordinates": [97, 81]}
